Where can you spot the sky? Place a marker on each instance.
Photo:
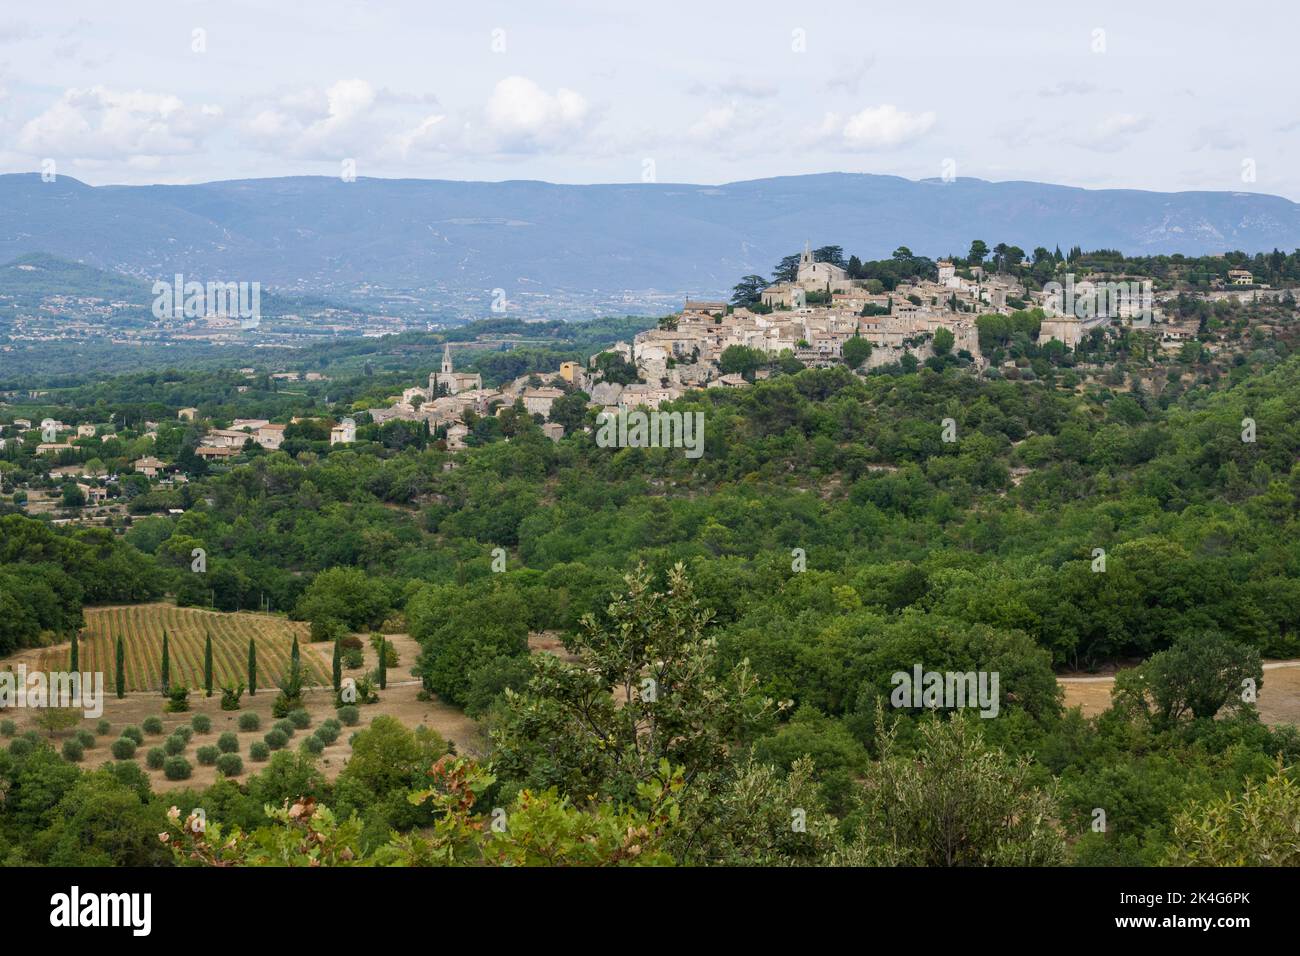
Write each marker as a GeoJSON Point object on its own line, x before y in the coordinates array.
{"type": "Point", "coordinates": [1166, 96]}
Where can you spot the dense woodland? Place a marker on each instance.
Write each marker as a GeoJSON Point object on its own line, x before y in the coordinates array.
{"type": "Point", "coordinates": [828, 538]}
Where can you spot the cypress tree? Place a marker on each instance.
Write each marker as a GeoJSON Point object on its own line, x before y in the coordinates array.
{"type": "Point", "coordinates": [337, 664]}
{"type": "Point", "coordinates": [75, 664]}
{"type": "Point", "coordinates": [166, 667]}
{"type": "Point", "coordinates": [121, 668]}
{"type": "Point", "coordinates": [207, 666]}
{"type": "Point", "coordinates": [383, 665]}
{"type": "Point", "coordinates": [252, 668]}
{"type": "Point", "coordinates": [293, 653]}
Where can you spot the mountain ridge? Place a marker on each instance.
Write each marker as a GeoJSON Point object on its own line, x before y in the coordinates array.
{"type": "Point", "coordinates": [561, 241]}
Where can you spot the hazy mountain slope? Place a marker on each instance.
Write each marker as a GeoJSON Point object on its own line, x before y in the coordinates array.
{"type": "Point", "coordinates": [531, 236]}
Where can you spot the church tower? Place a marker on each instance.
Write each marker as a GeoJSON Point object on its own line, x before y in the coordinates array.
{"type": "Point", "coordinates": [446, 359]}
{"type": "Point", "coordinates": [805, 257]}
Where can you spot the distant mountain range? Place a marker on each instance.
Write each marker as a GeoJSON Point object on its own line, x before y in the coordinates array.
{"type": "Point", "coordinates": [448, 239]}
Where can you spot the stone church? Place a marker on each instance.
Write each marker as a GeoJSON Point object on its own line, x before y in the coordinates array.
{"type": "Point", "coordinates": [450, 379]}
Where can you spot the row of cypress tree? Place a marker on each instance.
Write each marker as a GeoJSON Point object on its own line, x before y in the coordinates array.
{"type": "Point", "coordinates": [119, 682]}
{"type": "Point", "coordinates": [120, 664]}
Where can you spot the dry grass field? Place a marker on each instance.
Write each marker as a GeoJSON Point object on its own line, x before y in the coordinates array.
{"type": "Point", "coordinates": [401, 700]}
{"type": "Point", "coordinates": [1279, 695]}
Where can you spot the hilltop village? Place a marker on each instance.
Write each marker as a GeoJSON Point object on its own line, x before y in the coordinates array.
{"type": "Point", "coordinates": [808, 320]}
{"type": "Point", "coordinates": [811, 317]}
{"type": "Point", "coordinates": [1008, 315]}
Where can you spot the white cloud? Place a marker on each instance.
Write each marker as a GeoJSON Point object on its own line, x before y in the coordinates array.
{"type": "Point", "coordinates": [714, 123]}
{"type": "Point", "coordinates": [430, 133]}
{"type": "Point", "coordinates": [1114, 132]}
{"type": "Point", "coordinates": [522, 116]}
{"type": "Point", "coordinates": [317, 124]}
{"type": "Point", "coordinates": [102, 123]}
{"type": "Point", "coordinates": [877, 128]}
{"type": "Point", "coordinates": [352, 118]}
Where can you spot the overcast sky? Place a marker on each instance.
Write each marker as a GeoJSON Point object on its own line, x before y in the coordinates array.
{"type": "Point", "coordinates": [1188, 96]}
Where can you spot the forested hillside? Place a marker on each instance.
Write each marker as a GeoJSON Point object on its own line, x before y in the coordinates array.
{"type": "Point", "coordinates": [833, 538]}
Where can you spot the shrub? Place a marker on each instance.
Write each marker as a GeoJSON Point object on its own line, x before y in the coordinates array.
{"type": "Point", "coordinates": [258, 751]}
{"type": "Point", "coordinates": [207, 755]}
{"type": "Point", "coordinates": [8, 728]}
{"type": "Point", "coordinates": [174, 745]}
{"type": "Point", "coordinates": [300, 718]}
{"type": "Point", "coordinates": [201, 723]}
{"type": "Point", "coordinates": [123, 747]}
{"type": "Point", "coordinates": [230, 695]}
{"type": "Point", "coordinates": [228, 743]}
{"type": "Point", "coordinates": [367, 688]}
{"type": "Point", "coordinates": [290, 696]}
{"type": "Point", "coordinates": [21, 746]}
{"type": "Point", "coordinates": [285, 727]}
{"type": "Point", "coordinates": [55, 720]}
{"type": "Point", "coordinates": [326, 629]}
{"type": "Point", "coordinates": [249, 721]}
{"type": "Point", "coordinates": [134, 733]}
{"type": "Point", "coordinates": [390, 652]}
{"type": "Point", "coordinates": [155, 758]}
{"type": "Point", "coordinates": [178, 700]}
{"type": "Point", "coordinates": [152, 725]}
{"type": "Point", "coordinates": [177, 768]}
{"type": "Point", "coordinates": [276, 739]}
{"type": "Point", "coordinates": [230, 765]}
{"type": "Point", "coordinates": [73, 750]}
{"type": "Point", "coordinates": [183, 732]}
{"type": "Point", "coordinates": [353, 657]}
{"type": "Point", "coordinates": [327, 734]}
{"type": "Point", "coordinates": [85, 738]}
{"type": "Point", "coordinates": [351, 643]}
{"type": "Point", "coordinates": [313, 744]}
{"type": "Point", "coordinates": [103, 727]}
{"type": "Point", "coordinates": [349, 714]}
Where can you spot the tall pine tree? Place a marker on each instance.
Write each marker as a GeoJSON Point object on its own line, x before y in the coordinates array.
{"type": "Point", "coordinates": [252, 668]}
{"type": "Point", "coordinates": [120, 677]}
{"type": "Point", "coordinates": [166, 667]}
{"type": "Point", "coordinates": [207, 666]}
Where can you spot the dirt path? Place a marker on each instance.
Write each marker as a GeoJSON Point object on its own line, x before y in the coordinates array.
{"type": "Point", "coordinates": [1279, 695]}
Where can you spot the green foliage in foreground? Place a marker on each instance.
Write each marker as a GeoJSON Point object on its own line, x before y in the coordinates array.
{"type": "Point", "coordinates": [750, 686]}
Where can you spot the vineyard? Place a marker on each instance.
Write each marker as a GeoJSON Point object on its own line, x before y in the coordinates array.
{"type": "Point", "coordinates": [141, 627]}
